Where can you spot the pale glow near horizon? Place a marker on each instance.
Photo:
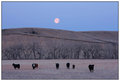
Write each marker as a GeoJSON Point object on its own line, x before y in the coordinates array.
{"type": "Point", "coordinates": [57, 20]}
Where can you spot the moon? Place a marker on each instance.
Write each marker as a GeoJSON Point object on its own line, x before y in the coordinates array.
{"type": "Point", "coordinates": [57, 20]}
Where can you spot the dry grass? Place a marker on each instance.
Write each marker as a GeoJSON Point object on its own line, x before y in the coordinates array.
{"type": "Point", "coordinates": [104, 69]}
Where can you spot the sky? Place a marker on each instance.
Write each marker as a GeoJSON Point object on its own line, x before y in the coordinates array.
{"type": "Point", "coordinates": [74, 16]}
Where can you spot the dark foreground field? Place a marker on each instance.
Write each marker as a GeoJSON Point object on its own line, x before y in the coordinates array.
{"type": "Point", "coordinates": [104, 69]}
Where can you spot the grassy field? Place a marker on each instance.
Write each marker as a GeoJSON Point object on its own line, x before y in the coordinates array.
{"type": "Point", "coordinates": [104, 69]}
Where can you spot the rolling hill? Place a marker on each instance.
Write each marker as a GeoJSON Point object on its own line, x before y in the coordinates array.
{"type": "Point", "coordinates": [40, 43]}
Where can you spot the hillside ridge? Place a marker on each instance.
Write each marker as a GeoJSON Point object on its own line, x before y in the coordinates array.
{"type": "Point", "coordinates": [39, 43]}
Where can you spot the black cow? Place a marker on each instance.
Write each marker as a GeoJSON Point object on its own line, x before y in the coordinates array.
{"type": "Point", "coordinates": [57, 65]}
{"type": "Point", "coordinates": [91, 67]}
{"type": "Point", "coordinates": [68, 65]}
{"type": "Point", "coordinates": [16, 66]}
{"type": "Point", "coordinates": [34, 65]}
{"type": "Point", "coordinates": [73, 66]}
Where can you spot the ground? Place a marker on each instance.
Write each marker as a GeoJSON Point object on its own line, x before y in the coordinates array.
{"type": "Point", "coordinates": [104, 69]}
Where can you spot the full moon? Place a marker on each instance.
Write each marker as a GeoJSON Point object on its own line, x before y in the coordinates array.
{"type": "Point", "coordinates": [57, 20]}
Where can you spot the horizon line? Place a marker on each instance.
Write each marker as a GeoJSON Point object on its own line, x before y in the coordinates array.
{"type": "Point", "coordinates": [57, 29]}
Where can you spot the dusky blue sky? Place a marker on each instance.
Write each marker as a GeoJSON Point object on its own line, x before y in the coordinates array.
{"type": "Point", "coordinates": [75, 16]}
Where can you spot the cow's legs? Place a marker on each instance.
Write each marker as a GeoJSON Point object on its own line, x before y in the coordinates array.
{"type": "Point", "coordinates": [92, 70]}
{"type": "Point", "coordinates": [33, 67]}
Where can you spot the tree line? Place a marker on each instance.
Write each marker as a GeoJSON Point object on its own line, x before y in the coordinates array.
{"type": "Point", "coordinates": [60, 51]}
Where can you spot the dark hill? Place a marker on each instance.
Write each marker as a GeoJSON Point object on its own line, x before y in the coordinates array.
{"type": "Point", "coordinates": [40, 43]}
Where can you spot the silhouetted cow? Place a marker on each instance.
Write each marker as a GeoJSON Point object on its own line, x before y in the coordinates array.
{"type": "Point", "coordinates": [68, 65]}
{"type": "Point", "coordinates": [34, 65]}
{"type": "Point", "coordinates": [73, 66]}
{"type": "Point", "coordinates": [91, 68]}
{"type": "Point", "coordinates": [57, 65]}
{"type": "Point", "coordinates": [16, 66]}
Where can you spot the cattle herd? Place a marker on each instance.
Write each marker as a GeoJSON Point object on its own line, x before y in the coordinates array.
{"type": "Point", "coordinates": [35, 65]}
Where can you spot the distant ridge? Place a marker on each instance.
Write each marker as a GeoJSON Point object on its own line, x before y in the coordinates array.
{"type": "Point", "coordinates": [30, 36]}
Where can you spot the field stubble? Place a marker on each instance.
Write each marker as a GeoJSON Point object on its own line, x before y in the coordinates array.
{"type": "Point", "coordinates": [104, 69]}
